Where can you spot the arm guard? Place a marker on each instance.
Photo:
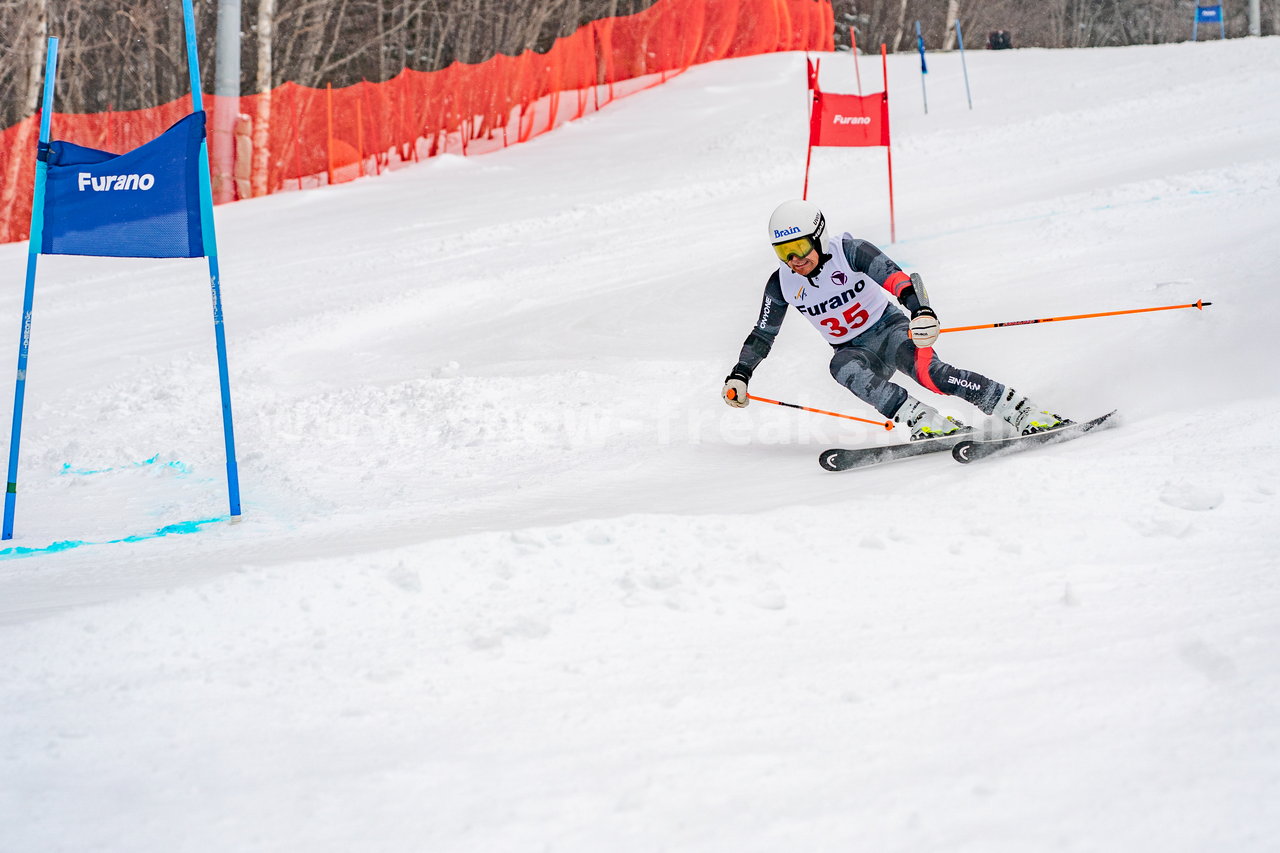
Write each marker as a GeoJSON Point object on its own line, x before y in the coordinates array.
{"type": "Point", "coordinates": [773, 310]}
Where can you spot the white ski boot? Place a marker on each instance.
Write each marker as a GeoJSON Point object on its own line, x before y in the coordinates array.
{"type": "Point", "coordinates": [924, 421]}
{"type": "Point", "coordinates": [1027, 418]}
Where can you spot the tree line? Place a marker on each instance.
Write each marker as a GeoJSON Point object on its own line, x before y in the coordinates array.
{"type": "Point", "coordinates": [130, 54]}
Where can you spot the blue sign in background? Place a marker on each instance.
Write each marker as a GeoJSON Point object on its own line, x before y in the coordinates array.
{"type": "Point", "coordinates": [141, 204]}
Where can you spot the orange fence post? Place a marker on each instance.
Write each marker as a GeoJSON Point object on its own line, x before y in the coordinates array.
{"type": "Point", "coordinates": [360, 134]}
{"type": "Point", "coordinates": [297, 139]}
{"type": "Point", "coordinates": [328, 100]}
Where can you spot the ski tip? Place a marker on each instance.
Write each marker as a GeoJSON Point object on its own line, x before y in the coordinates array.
{"type": "Point", "coordinates": [1109, 418]}
{"type": "Point", "coordinates": [961, 452]}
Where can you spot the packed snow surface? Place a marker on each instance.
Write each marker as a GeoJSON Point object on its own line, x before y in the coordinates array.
{"type": "Point", "coordinates": [510, 575]}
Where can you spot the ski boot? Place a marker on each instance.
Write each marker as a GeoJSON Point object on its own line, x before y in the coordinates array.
{"type": "Point", "coordinates": [1027, 418]}
{"type": "Point", "coordinates": [924, 421]}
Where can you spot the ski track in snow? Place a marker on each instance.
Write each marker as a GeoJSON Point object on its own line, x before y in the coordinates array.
{"type": "Point", "coordinates": [510, 576]}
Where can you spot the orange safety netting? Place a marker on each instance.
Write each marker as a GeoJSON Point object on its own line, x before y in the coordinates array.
{"type": "Point", "coordinates": [322, 136]}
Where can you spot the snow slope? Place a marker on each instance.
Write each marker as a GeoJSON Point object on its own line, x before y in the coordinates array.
{"type": "Point", "coordinates": [510, 576]}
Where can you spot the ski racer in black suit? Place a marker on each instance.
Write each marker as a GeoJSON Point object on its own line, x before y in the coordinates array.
{"type": "Point", "coordinates": [842, 285]}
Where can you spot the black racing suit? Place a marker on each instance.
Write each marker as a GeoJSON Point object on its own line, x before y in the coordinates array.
{"type": "Point", "coordinates": [865, 364]}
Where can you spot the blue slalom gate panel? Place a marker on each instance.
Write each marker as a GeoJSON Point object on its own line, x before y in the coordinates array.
{"type": "Point", "coordinates": [141, 204]}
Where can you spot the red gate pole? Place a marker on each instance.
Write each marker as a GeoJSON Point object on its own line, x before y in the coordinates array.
{"type": "Point", "coordinates": [853, 39]}
{"type": "Point", "coordinates": [888, 149]}
{"type": "Point", "coordinates": [811, 84]}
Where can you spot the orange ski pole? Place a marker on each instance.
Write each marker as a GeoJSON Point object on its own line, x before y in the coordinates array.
{"type": "Point", "coordinates": [1199, 303]}
{"type": "Point", "coordinates": [885, 424]}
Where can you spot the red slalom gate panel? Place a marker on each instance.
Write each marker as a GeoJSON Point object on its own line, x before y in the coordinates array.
{"type": "Point", "coordinates": [849, 120]}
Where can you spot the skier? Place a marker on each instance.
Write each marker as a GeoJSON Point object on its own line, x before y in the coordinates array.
{"type": "Point", "coordinates": [842, 285]}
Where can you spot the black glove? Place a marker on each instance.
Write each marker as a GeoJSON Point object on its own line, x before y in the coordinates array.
{"type": "Point", "coordinates": [735, 388]}
{"type": "Point", "coordinates": [924, 327]}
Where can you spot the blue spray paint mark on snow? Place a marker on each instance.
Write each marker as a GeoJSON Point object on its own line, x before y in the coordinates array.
{"type": "Point", "coordinates": [179, 467]}
{"type": "Point", "coordinates": [177, 529]}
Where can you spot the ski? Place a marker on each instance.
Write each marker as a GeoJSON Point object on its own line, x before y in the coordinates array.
{"type": "Point", "coordinates": [848, 458]}
{"type": "Point", "coordinates": [970, 450]}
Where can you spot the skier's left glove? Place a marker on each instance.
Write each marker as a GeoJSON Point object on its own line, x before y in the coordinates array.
{"type": "Point", "coordinates": [924, 327]}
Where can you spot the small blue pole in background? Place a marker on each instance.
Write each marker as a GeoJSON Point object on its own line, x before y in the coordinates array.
{"type": "Point", "coordinates": [963, 65]}
{"type": "Point", "coordinates": [34, 243]}
{"type": "Point", "coordinates": [211, 252]}
{"type": "Point", "coordinates": [924, 69]}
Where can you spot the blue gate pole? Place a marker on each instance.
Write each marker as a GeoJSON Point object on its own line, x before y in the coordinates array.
{"type": "Point", "coordinates": [924, 69]}
{"type": "Point", "coordinates": [34, 243]}
{"type": "Point", "coordinates": [211, 252]}
{"type": "Point", "coordinates": [963, 65]}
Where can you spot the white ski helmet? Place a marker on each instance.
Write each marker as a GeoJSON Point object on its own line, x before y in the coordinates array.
{"type": "Point", "coordinates": [794, 226]}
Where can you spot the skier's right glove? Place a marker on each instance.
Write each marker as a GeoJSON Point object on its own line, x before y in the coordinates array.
{"type": "Point", "coordinates": [735, 388]}
{"type": "Point", "coordinates": [924, 327]}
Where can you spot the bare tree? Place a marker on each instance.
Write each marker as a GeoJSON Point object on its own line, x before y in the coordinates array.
{"type": "Point", "coordinates": [262, 121]}
{"type": "Point", "coordinates": [902, 25]}
{"type": "Point", "coordinates": [953, 12]}
{"type": "Point", "coordinates": [23, 39]}
{"type": "Point", "coordinates": [20, 80]}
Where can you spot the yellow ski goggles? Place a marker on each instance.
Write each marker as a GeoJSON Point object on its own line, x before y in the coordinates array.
{"type": "Point", "coordinates": [798, 248]}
